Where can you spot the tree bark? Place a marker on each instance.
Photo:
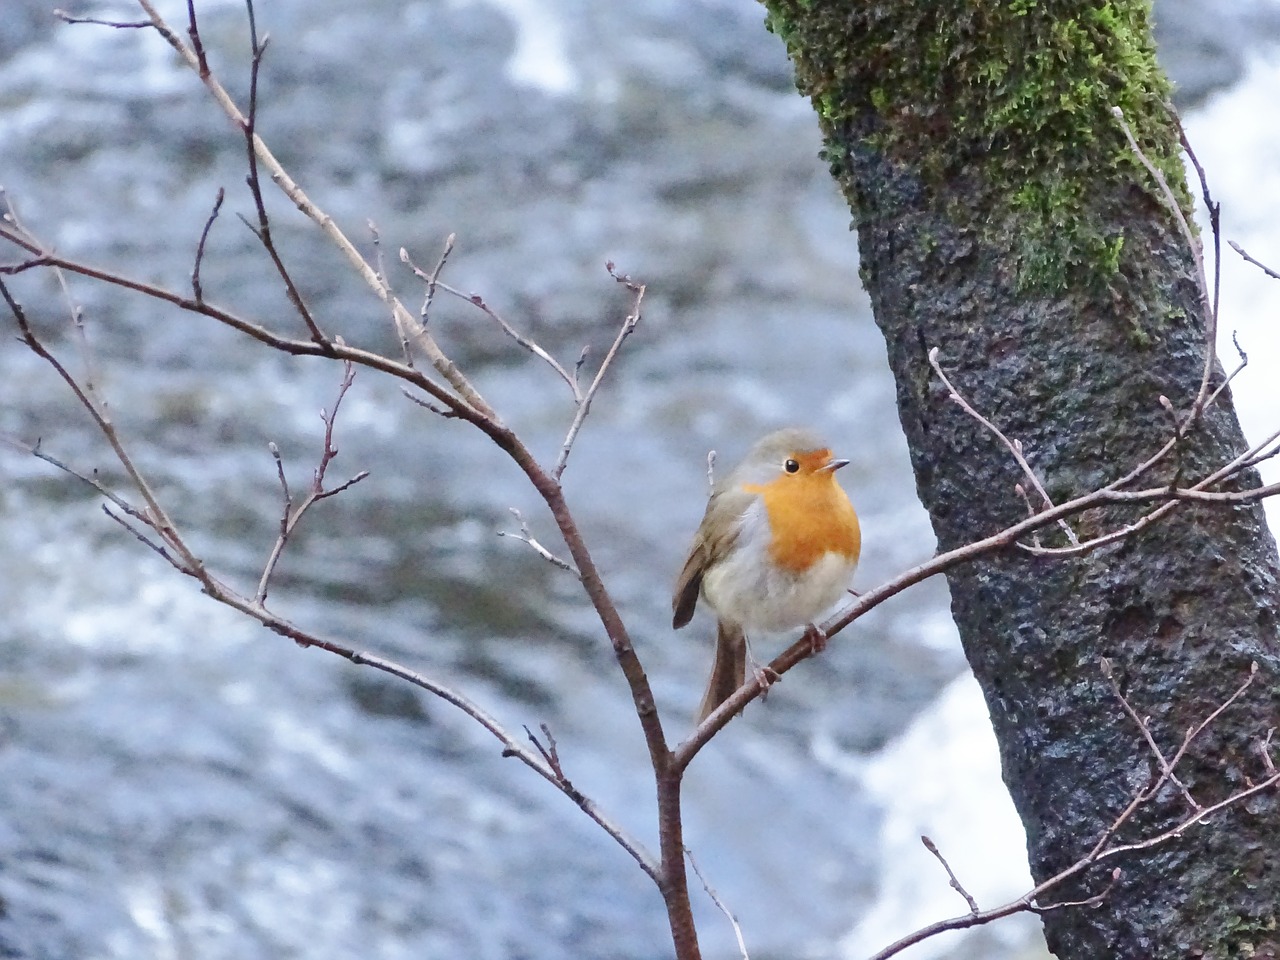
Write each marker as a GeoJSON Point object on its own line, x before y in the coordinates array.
{"type": "Point", "coordinates": [1003, 219]}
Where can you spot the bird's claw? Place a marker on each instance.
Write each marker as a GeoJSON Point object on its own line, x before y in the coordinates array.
{"type": "Point", "coordinates": [817, 638]}
{"type": "Point", "coordinates": [765, 676]}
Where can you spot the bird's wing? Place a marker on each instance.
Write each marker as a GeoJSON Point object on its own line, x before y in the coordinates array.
{"type": "Point", "coordinates": [725, 511]}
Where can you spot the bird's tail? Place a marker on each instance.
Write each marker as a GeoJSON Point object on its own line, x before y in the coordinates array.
{"type": "Point", "coordinates": [729, 670]}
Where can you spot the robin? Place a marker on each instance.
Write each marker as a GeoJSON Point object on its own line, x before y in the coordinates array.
{"type": "Point", "coordinates": [776, 548]}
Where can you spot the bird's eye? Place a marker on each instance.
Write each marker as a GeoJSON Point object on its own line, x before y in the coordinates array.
{"type": "Point", "coordinates": [791, 466]}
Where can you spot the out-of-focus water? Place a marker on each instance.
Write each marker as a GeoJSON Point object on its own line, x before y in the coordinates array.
{"type": "Point", "coordinates": [177, 783]}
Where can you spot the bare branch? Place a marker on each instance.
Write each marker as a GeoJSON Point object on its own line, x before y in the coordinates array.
{"type": "Point", "coordinates": [715, 898]}
{"type": "Point", "coordinates": [1094, 901]}
{"type": "Point", "coordinates": [955, 884]}
{"type": "Point", "coordinates": [365, 358]}
{"type": "Point", "coordinates": [479, 302]}
{"type": "Point", "coordinates": [155, 515]}
{"type": "Point", "coordinates": [1197, 253]}
{"type": "Point", "coordinates": [262, 231]}
{"type": "Point", "coordinates": [140, 536]}
{"type": "Point", "coordinates": [526, 536]}
{"type": "Point", "coordinates": [584, 405]}
{"type": "Point", "coordinates": [1249, 259]}
{"type": "Point", "coordinates": [1166, 767]}
{"type": "Point", "coordinates": [511, 747]}
{"type": "Point", "coordinates": [117, 24]}
{"type": "Point", "coordinates": [469, 396]}
{"type": "Point", "coordinates": [197, 45]}
{"type": "Point", "coordinates": [37, 451]}
{"type": "Point", "coordinates": [550, 755]}
{"type": "Point", "coordinates": [1014, 446]}
{"type": "Point", "coordinates": [432, 279]}
{"type": "Point", "coordinates": [292, 515]}
{"type": "Point", "coordinates": [196, 290]}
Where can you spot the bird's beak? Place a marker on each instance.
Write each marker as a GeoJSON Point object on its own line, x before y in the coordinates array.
{"type": "Point", "coordinates": [833, 466]}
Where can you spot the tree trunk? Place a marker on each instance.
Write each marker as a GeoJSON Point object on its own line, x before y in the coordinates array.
{"type": "Point", "coordinates": [1003, 219]}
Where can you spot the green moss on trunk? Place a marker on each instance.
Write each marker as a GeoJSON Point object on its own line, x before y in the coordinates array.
{"type": "Point", "coordinates": [1011, 98]}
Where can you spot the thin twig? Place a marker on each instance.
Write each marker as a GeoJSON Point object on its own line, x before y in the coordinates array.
{"type": "Point", "coordinates": [1249, 259]}
{"type": "Point", "coordinates": [1031, 510]}
{"type": "Point", "coordinates": [530, 345]}
{"type": "Point", "coordinates": [584, 405]}
{"type": "Point", "coordinates": [37, 451]}
{"type": "Point", "coordinates": [1095, 901]}
{"type": "Point", "coordinates": [438, 410]}
{"type": "Point", "coordinates": [550, 753]}
{"type": "Point", "coordinates": [955, 884]}
{"type": "Point", "coordinates": [526, 536]}
{"type": "Point", "coordinates": [1199, 728]}
{"type": "Point", "coordinates": [139, 535]}
{"type": "Point", "coordinates": [117, 24]}
{"type": "Point", "coordinates": [715, 898]}
{"type": "Point", "coordinates": [249, 126]}
{"type": "Point", "coordinates": [1014, 446]}
{"type": "Point", "coordinates": [196, 290]}
{"type": "Point", "coordinates": [1166, 768]}
{"type": "Point", "coordinates": [291, 515]}
{"type": "Point", "coordinates": [466, 392]}
{"type": "Point", "coordinates": [1197, 253]}
{"type": "Point", "coordinates": [432, 279]}
{"type": "Point", "coordinates": [197, 45]}
{"type": "Point", "coordinates": [1244, 362]}
{"type": "Point", "coordinates": [155, 515]}
{"type": "Point", "coordinates": [1170, 499]}
{"type": "Point", "coordinates": [1212, 207]}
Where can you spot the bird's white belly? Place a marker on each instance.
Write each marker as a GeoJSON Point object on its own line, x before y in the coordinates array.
{"type": "Point", "coordinates": [747, 588]}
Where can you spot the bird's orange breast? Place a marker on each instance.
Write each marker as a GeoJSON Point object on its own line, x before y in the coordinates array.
{"type": "Point", "coordinates": [809, 516]}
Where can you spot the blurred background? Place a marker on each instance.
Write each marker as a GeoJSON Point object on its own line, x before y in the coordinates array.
{"type": "Point", "coordinates": [176, 783]}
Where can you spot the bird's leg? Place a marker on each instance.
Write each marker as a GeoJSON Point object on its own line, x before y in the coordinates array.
{"type": "Point", "coordinates": [817, 638]}
{"type": "Point", "coordinates": [765, 675]}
